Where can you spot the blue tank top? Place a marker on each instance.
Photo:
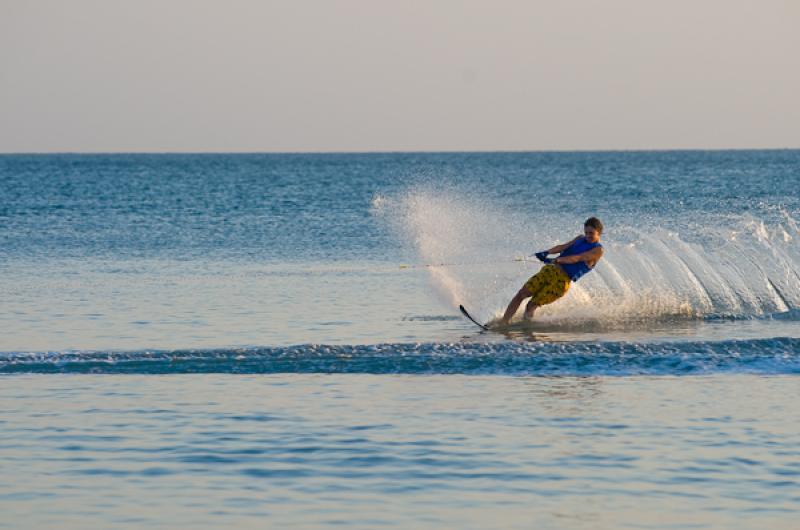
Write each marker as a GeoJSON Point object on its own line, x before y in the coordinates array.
{"type": "Point", "coordinates": [576, 270]}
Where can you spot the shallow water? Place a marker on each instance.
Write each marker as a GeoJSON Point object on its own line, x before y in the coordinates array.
{"type": "Point", "coordinates": [367, 451]}
{"type": "Point", "coordinates": [274, 340]}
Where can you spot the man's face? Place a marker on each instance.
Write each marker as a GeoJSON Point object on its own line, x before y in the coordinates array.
{"type": "Point", "coordinates": [592, 235]}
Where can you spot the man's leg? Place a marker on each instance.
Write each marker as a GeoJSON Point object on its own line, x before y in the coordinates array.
{"type": "Point", "coordinates": [521, 295]}
{"type": "Point", "coordinates": [529, 310]}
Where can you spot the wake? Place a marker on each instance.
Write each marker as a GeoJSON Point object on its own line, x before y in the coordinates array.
{"type": "Point", "coordinates": [578, 359]}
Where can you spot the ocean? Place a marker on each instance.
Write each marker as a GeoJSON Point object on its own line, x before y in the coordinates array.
{"type": "Point", "coordinates": [274, 340]}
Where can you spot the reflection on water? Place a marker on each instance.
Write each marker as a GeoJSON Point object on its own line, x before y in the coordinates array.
{"type": "Point", "coordinates": [565, 397]}
{"type": "Point", "coordinates": [573, 330]}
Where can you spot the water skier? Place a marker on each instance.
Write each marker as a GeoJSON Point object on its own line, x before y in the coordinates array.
{"type": "Point", "coordinates": [575, 259]}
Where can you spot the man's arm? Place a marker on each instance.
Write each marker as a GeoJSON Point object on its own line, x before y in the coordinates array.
{"type": "Point", "coordinates": [590, 256]}
{"type": "Point", "coordinates": [558, 249]}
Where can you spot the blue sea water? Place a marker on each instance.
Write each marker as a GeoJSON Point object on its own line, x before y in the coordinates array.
{"type": "Point", "coordinates": [273, 340]}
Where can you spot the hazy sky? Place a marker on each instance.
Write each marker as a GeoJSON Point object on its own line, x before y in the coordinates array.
{"type": "Point", "coordinates": [373, 75]}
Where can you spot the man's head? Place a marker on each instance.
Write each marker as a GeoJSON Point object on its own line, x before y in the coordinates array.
{"type": "Point", "coordinates": [592, 229]}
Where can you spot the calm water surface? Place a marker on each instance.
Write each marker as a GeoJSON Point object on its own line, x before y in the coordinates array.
{"type": "Point", "coordinates": [366, 451]}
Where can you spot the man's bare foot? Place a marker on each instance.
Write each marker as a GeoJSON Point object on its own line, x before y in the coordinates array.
{"type": "Point", "coordinates": [497, 324]}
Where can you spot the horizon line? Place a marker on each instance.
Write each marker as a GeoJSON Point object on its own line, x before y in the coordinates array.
{"type": "Point", "coordinates": [388, 152]}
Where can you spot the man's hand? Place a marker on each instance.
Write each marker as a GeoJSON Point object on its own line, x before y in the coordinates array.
{"type": "Point", "coordinates": [542, 256]}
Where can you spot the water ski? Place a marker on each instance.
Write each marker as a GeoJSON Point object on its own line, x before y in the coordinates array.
{"type": "Point", "coordinates": [464, 312]}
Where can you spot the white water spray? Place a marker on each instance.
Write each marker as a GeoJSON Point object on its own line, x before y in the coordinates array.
{"type": "Point", "coordinates": [728, 266]}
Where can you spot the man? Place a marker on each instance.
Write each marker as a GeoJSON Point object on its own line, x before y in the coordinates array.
{"type": "Point", "coordinates": [575, 259]}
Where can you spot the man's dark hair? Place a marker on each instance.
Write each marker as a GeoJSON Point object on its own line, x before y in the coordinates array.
{"type": "Point", "coordinates": [595, 223]}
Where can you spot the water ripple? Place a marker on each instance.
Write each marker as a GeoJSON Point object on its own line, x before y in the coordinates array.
{"type": "Point", "coordinates": [758, 356]}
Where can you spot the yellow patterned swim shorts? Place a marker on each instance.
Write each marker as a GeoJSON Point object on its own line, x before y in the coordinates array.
{"type": "Point", "coordinates": [548, 285]}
